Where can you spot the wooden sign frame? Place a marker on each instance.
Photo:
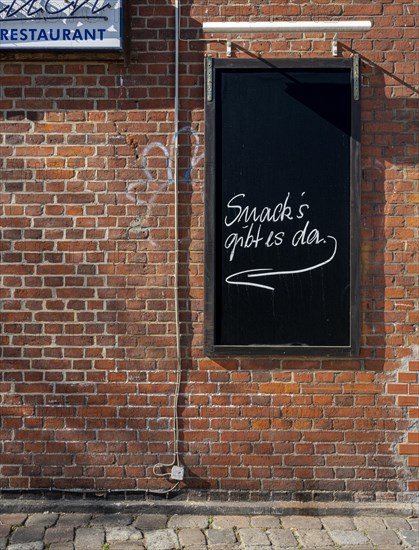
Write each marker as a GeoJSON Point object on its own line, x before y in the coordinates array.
{"type": "Point", "coordinates": [230, 309]}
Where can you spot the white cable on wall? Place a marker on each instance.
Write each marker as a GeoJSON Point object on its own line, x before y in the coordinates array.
{"type": "Point", "coordinates": [176, 457]}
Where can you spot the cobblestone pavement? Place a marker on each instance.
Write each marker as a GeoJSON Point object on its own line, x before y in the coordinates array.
{"type": "Point", "coordinates": [126, 531]}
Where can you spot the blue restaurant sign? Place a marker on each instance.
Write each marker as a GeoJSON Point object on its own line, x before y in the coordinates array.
{"type": "Point", "coordinates": [60, 25]}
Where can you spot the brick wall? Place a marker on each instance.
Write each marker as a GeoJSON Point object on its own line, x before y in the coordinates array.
{"type": "Point", "coordinates": [88, 347]}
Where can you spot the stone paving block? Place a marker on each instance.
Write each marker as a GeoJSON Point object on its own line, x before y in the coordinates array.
{"type": "Point", "coordinates": [258, 547]}
{"type": "Point", "coordinates": [369, 524]}
{"type": "Point", "coordinates": [89, 538]}
{"type": "Point", "coordinates": [384, 538]}
{"type": "Point", "coordinates": [188, 521]}
{"type": "Point", "coordinates": [192, 537]}
{"type": "Point", "coordinates": [59, 534]}
{"type": "Point", "coordinates": [410, 537]}
{"type": "Point", "coordinates": [229, 522]}
{"type": "Point", "coordinates": [121, 533]}
{"type": "Point", "coordinates": [253, 537]}
{"type": "Point", "coordinates": [12, 519]}
{"type": "Point", "coordinates": [282, 538]}
{"type": "Point", "coordinates": [348, 538]}
{"type": "Point", "coordinates": [73, 520]}
{"type": "Point", "coordinates": [338, 523]}
{"type": "Point", "coordinates": [220, 536]}
{"type": "Point", "coordinates": [5, 530]}
{"type": "Point", "coordinates": [27, 534]}
{"type": "Point", "coordinates": [398, 524]}
{"type": "Point", "coordinates": [235, 546]}
{"type": "Point", "coordinates": [126, 546]}
{"type": "Point", "coordinates": [47, 519]}
{"type": "Point", "coordinates": [26, 546]}
{"type": "Point", "coordinates": [112, 519]}
{"type": "Point", "coordinates": [414, 522]}
{"type": "Point", "coordinates": [62, 546]}
{"type": "Point", "coordinates": [151, 521]}
{"type": "Point", "coordinates": [265, 522]}
{"type": "Point", "coordinates": [162, 539]}
{"type": "Point", "coordinates": [301, 522]}
{"type": "Point", "coordinates": [315, 538]}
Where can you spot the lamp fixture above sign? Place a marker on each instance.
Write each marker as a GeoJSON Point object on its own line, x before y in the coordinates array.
{"type": "Point", "coordinates": [60, 25]}
{"type": "Point", "coordinates": [285, 26]}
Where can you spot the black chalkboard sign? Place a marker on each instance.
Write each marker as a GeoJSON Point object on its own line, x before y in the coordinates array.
{"type": "Point", "coordinates": [282, 198]}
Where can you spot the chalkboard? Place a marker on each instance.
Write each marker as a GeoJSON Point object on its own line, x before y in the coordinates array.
{"type": "Point", "coordinates": [281, 207]}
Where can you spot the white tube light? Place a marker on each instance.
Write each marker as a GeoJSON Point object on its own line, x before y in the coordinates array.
{"type": "Point", "coordinates": [289, 26]}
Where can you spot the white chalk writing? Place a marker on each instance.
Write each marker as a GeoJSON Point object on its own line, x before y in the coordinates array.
{"type": "Point", "coordinates": [252, 227]}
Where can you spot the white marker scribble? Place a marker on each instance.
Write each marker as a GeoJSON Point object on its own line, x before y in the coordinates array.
{"type": "Point", "coordinates": [169, 156]}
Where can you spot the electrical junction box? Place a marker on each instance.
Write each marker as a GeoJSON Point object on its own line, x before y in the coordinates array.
{"type": "Point", "coordinates": [177, 473]}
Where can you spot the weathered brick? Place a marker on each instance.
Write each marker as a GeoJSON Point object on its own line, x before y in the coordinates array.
{"type": "Point", "coordinates": [87, 264]}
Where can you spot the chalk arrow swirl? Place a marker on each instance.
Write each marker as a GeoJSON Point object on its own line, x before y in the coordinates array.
{"type": "Point", "coordinates": [269, 272]}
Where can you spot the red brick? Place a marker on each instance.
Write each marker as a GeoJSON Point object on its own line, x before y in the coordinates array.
{"type": "Point", "coordinates": [16, 411]}
{"type": "Point", "coordinates": [413, 461]}
{"type": "Point", "coordinates": [407, 401]}
{"type": "Point", "coordinates": [88, 341]}
{"type": "Point", "coordinates": [409, 449]}
{"type": "Point", "coordinates": [279, 388]}
{"type": "Point", "coordinates": [413, 437]}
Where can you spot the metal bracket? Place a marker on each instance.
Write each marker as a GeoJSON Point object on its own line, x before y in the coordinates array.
{"type": "Point", "coordinates": [209, 79]}
{"type": "Point", "coordinates": [229, 45]}
{"type": "Point", "coordinates": [356, 77]}
{"type": "Point", "coordinates": [335, 45]}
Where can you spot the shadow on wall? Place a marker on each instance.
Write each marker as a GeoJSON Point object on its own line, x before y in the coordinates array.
{"type": "Point", "coordinates": [387, 214]}
{"type": "Point", "coordinates": [388, 252]}
{"type": "Point", "coordinates": [387, 218]}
